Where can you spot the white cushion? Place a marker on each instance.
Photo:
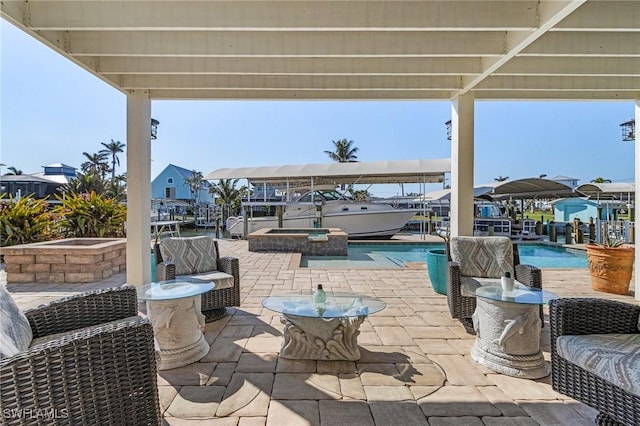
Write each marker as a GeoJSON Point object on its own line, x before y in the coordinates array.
{"type": "Point", "coordinates": [190, 255]}
{"type": "Point", "coordinates": [15, 331]}
{"type": "Point", "coordinates": [612, 357]}
{"type": "Point", "coordinates": [483, 257]}
{"type": "Point", "coordinates": [220, 279]}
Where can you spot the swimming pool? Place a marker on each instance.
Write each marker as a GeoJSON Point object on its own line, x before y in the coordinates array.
{"type": "Point", "coordinates": [396, 255]}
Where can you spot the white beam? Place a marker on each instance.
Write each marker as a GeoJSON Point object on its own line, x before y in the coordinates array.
{"type": "Point", "coordinates": [637, 210]}
{"type": "Point", "coordinates": [583, 95]}
{"type": "Point", "coordinates": [295, 65]}
{"type": "Point", "coordinates": [138, 188]}
{"type": "Point", "coordinates": [571, 66]}
{"type": "Point", "coordinates": [586, 44]}
{"type": "Point", "coordinates": [300, 94]}
{"type": "Point", "coordinates": [278, 44]}
{"type": "Point", "coordinates": [269, 15]}
{"type": "Point", "coordinates": [291, 82]}
{"type": "Point", "coordinates": [561, 83]}
{"type": "Point", "coordinates": [550, 14]}
{"type": "Point", "coordinates": [462, 159]}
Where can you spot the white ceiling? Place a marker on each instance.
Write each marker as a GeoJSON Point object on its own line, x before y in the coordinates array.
{"type": "Point", "coordinates": [581, 49]}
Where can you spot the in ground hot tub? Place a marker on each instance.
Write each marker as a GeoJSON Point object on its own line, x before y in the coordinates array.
{"type": "Point", "coordinates": [307, 241]}
{"type": "Point", "coordinates": [71, 260]}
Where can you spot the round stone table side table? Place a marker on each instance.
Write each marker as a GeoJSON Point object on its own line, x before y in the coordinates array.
{"type": "Point", "coordinates": [173, 307]}
{"type": "Point", "coordinates": [507, 326]}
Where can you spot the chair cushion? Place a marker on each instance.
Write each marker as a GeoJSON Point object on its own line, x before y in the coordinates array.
{"type": "Point", "coordinates": [483, 257]}
{"type": "Point", "coordinates": [190, 255]}
{"type": "Point", "coordinates": [221, 279]}
{"type": "Point", "coordinates": [469, 285]}
{"type": "Point", "coordinates": [15, 331]}
{"type": "Point", "coordinates": [612, 357]}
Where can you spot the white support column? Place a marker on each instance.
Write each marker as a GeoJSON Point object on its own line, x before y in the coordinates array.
{"type": "Point", "coordinates": [636, 200]}
{"type": "Point", "coordinates": [138, 188]}
{"type": "Point", "coordinates": [462, 127]}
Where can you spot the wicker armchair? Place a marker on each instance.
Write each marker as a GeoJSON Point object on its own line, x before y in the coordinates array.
{"type": "Point", "coordinates": [593, 316]}
{"type": "Point", "coordinates": [225, 294]}
{"type": "Point", "coordinates": [461, 306]}
{"type": "Point", "coordinates": [93, 363]}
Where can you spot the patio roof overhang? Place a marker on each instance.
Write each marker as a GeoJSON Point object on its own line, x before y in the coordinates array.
{"type": "Point", "coordinates": [494, 49]}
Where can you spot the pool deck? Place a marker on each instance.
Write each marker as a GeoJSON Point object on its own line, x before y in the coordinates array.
{"type": "Point", "coordinates": [415, 367]}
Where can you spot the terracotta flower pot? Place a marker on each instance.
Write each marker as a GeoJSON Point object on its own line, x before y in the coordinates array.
{"type": "Point", "coordinates": [610, 268]}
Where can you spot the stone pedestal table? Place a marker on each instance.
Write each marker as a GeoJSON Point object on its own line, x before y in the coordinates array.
{"type": "Point", "coordinates": [173, 308]}
{"type": "Point", "coordinates": [325, 331]}
{"type": "Point", "coordinates": [507, 326]}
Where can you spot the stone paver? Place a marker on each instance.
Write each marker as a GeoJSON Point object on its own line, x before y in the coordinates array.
{"type": "Point", "coordinates": [247, 395]}
{"type": "Point", "coordinates": [341, 413]}
{"type": "Point", "coordinates": [196, 402]}
{"type": "Point", "coordinates": [306, 386]}
{"type": "Point", "coordinates": [457, 401]}
{"type": "Point", "coordinates": [415, 367]}
{"type": "Point", "coordinates": [303, 413]}
{"type": "Point", "coordinates": [397, 413]}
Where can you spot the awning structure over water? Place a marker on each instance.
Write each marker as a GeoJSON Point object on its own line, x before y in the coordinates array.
{"type": "Point", "coordinates": [609, 191]}
{"type": "Point", "coordinates": [532, 188]}
{"type": "Point", "coordinates": [519, 188]}
{"type": "Point", "coordinates": [396, 171]}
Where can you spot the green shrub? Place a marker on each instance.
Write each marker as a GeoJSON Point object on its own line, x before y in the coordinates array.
{"type": "Point", "coordinates": [90, 215]}
{"type": "Point", "coordinates": [24, 221]}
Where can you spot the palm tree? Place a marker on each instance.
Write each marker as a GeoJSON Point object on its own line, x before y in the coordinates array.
{"type": "Point", "coordinates": [14, 171]}
{"type": "Point", "coordinates": [113, 148]}
{"type": "Point", "coordinates": [96, 163]}
{"type": "Point", "coordinates": [85, 184]}
{"type": "Point", "coordinates": [501, 178]}
{"type": "Point", "coordinates": [226, 192]}
{"type": "Point", "coordinates": [600, 179]}
{"type": "Point", "coordinates": [344, 151]}
{"type": "Point", "coordinates": [195, 183]}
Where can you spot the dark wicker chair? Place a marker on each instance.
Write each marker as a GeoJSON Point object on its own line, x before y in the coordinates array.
{"type": "Point", "coordinates": [215, 301]}
{"type": "Point", "coordinates": [593, 316]}
{"type": "Point", "coordinates": [462, 307]}
{"type": "Point", "coordinates": [103, 374]}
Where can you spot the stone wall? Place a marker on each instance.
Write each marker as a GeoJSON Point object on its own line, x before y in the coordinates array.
{"type": "Point", "coordinates": [72, 260]}
{"type": "Point", "coordinates": [335, 243]}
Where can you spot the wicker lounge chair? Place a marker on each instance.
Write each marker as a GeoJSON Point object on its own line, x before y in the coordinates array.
{"type": "Point", "coordinates": [593, 321]}
{"type": "Point", "coordinates": [92, 361]}
{"type": "Point", "coordinates": [199, 258]}
{"type": "Point", "coordinates": [499, 254]}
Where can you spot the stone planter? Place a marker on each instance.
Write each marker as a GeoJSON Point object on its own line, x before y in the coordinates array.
{"type": "Point", "coordinates": [71, 260]}
{"type": "Point", "coordinates": [610, 268]}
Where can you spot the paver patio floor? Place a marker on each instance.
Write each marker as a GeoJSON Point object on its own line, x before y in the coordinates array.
{"type": "Point", "coordinates": [415, 367]}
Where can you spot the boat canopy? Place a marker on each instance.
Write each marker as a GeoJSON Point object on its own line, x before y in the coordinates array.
{"type": "Point", "coordinates": [361, 172]}
{"type": "Point", "coordinates": [609, 190]}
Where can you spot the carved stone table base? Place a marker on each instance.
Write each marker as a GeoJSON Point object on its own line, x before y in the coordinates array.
{"type": "Point", "coordinates": [178, 326]}
{"type": "Point", "coordinates": [508, 338]}
{"type": "Point", "coordinates": [320, 338]}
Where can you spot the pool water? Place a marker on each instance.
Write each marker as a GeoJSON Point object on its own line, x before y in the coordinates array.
{"type": "Point", "coordinates": [396, 255]}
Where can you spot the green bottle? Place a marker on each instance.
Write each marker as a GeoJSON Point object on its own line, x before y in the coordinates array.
{"type": "Point", "coordinates": [319, 296]}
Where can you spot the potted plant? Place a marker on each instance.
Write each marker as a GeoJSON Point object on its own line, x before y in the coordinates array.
{"type": "Point", "coordinates": [610, 265]}
{"type": "Point", "coordinates": [437, 264]}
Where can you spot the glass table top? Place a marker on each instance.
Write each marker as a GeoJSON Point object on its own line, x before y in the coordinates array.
{"type": "Point", "coordinates": [520, 294]}
{"type": "Point", "coordinates": [337, 305]}
{"type": "Point", "coordinates": [174, 289]}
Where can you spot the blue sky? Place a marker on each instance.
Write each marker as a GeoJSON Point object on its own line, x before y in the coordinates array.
{"type": "Point", "coordinates": [52, 111]}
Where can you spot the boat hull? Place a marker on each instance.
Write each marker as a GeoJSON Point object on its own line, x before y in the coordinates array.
{"type": "Point", "coordinates": [369, 224]}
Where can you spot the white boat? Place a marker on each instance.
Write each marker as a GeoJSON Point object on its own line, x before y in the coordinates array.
{"type": "Point", "coordinates": [330, 209]}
